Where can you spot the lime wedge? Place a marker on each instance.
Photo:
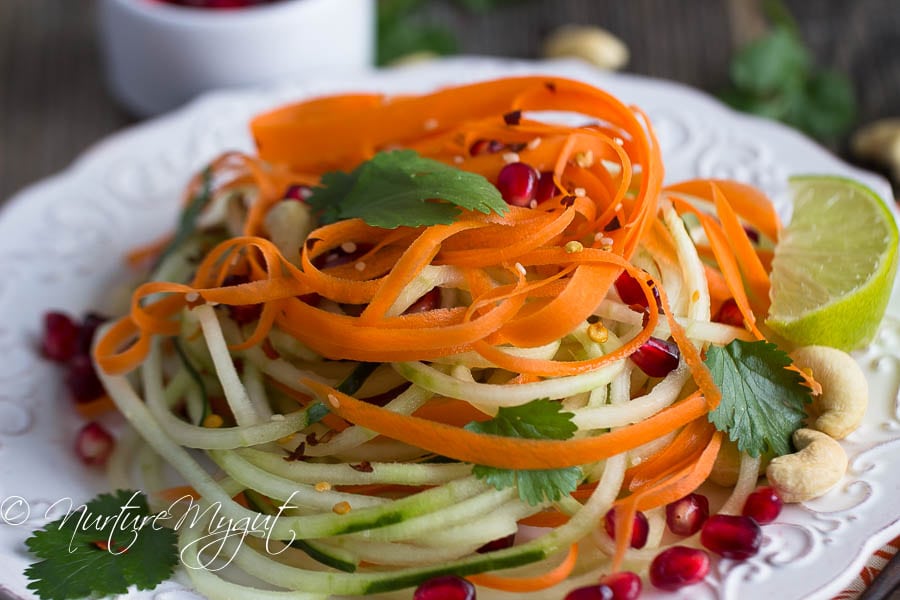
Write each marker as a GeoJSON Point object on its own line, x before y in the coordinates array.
{"type": "Point", "coordinates": [834, 264]}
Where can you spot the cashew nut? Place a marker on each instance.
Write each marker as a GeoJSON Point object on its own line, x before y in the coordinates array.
{"type": "Point", "coordinates": [880, 142]}
{"type": "Point", "coordinates": [815, 468]}
{"type": "Point", "coordinates": [288, 224]}
{"type": "Point", "coordinates": [727, 467]}
{"type": "Point", "coordinates": [591, 44]}
{"type": "Point", "coordinates": [841, 406]}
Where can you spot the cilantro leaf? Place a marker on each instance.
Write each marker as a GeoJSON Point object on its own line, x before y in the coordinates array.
{"type": "Point", "coordinates": [187, 221]}
{"type": "Point", "coordinates": [762, 401]}
{"type": "Point", "coordinates": [770, 63]}
{"type": "Point", "coordinates": [401, 188]}
{"type": "Point", "coordinates": [540, 419]}
{"type": "Point", "coordinates": [98, 552]}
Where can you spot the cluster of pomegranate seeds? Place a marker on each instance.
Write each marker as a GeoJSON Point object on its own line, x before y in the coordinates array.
{"type": "Point", "coordinates": [729, 314]}
{"type": "Point", "coordinates": [763, 505]}
{"type": "Point", "coordinates": [218, 3]}
{"type": "Point", "coordinates": [687, 515]}
{"type": "Point", "coordinates": [656, 357]}
{"type": "Point", "coordinates": [498, 544]}
{"type": "Point", "coordinates": [68, 342]}
{"type": "Point", "coordinates": [678, 567]}
{"type": "Point", "coordinates": [518, 183]}
{"type": "Point", "coordinates": [732, 536]}
{"type": "Point", "coordinates": [94, 444]}
{"type": "Point", "coordinates": [639, 530]}
{"type": "Point", "coordinates": [448, 587]}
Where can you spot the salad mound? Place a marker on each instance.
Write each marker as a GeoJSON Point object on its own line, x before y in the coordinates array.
{"type": "Point", "coordinates": [440, 337]}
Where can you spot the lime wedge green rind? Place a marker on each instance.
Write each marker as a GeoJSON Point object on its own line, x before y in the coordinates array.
{"type": "Point", "coordinates": [834, 264]}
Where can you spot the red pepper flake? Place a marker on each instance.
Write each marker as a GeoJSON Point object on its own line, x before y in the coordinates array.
{"type": "Point", "coordinates": [312, 439]}
{"type": "Point", "coordinates": [363, 467]}
{"type": "Point", "coordinates": [297, 454]}
{"type": "Point", "coordinates": [567, 200]}
{"type": "Point", "coordinates": [512, 118]}
{"type": "Point", "coordinates": [550, 85]}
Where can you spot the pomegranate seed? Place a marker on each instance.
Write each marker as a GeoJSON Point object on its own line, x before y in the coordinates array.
{"type": "Point", "coordinates": [639, 530]}
{"type": "Point", "coordinates": [732, 536]}
{"type": "Point", "coordinates": [448, 587]}
{"type": "Point", "coordinates": [678, 566]}
{"type": "Point", "coordinates": [625, 585]}
{"type": "Point", "coordinates": [60, 342]}
{"type": "Point", "coordinates": [752, 234]}
{"type": "Point", "coordinates": [429, 301]}
{"type": "Point", "coordinates": [88, 329]}
{"type": "Point", "coordinates": [82, 380]}
{"type": "Point", "coordinates": [591, 592]}
{"type": "Point", "coordinates": [486, 147]}
{"type": "Point", "coordinates": [686, 516]}
{"type": "Point", "coordinates": [656, 357]}
{"type": "Point", "coordinates": [730, 314]}
{"type": "Point", "coordinates": [631, 293]}
{"type": "Point", "coordinates": [763, 505]}
{"type": "Point", "coordinates": [546, 187]}
{"type": "Point", "coordinates": [517, 183]}
{"type": "Point", "coordinates": [498, 544]}
{"type": "Point", "coordinates": [298, 192]}
{"type": "Point", "coordinates": [94, 444]}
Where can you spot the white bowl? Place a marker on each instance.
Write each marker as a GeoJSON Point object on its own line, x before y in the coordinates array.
{"type": "Point", "coordinates": [160, 55]}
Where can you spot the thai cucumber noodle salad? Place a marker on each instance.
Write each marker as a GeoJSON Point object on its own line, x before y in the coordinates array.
{"type": "Point", "coordinates": [455, 345]}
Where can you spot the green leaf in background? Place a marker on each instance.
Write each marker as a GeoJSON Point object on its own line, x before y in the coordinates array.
{"type": "Point", "coordinates": [775, 77]}
{"type": "Point", "coordinates": [770, 63]}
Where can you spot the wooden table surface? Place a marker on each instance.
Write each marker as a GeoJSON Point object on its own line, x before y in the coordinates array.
{"type": "Point", "coordinates": [53, 103]}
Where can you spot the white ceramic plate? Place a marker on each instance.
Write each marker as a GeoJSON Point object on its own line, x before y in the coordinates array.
{"type": "Point", "coordinates": [62, 240]}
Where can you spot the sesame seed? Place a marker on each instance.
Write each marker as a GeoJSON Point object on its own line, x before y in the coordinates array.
{"type": "Point", "coordinates": [606, 241]}
{"type": "Point", "coordinates": [584, 159]}
{"type": "Point", "coordinates": [348, 247]}
{"type": "Point", "coordinates": [431, 124]}
{"type": "Point", "coordinates": [334, 400]}
{"type": "Point", "coordinates": [618, 207]}
{"type": "Point", "coordinates": [192, 296]}
{"type": "Point", "coordinates": [510, 157]}
{"type": "Point", "coordinates": [360, 266]}
{"type": "Point", "coordinates": [580, 192]}
{"type": "Point", "coordinates": [323, 486]}
{"type": "Point", "coordinates": [213, 421]}
{"type": "Point", "coordinates": [534, 143]}
{"type": "Point", "coordinates": [520, 268]}
{"type": "Point", "coordinates": [276, 417]}
{"type": "Point", "coordinates": [341, 508]}
{"type": "Point", "coordinates": [598, 333]}
{"type": "Point", "coordinates": [458, 159]}
{"type": "Point", "coordinates": [573, 247]}
{"type": "Point", "coordinates": [619, 141]}
{"type": "Point", "coordinates": [598, 236]}
{"type": "Point", "coordinates": [532, 204]}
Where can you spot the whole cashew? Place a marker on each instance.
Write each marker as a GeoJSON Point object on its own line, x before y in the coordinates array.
{"type": "Point", "coordinates": [815, 468]}
{"type": "Point", "coordinates": [880, 141]}
{"type": "Point", "coordinates": [591, 44]}
{"type": "Point", "coordinates": [841, 406]}
{"type": "Point", "coordinates": [727, 466]}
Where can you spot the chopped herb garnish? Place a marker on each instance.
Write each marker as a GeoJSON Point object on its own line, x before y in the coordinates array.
{"type": "Point", "coordinates": [540, 419]}
{"type": "Point", "coordinates": [187, 222]}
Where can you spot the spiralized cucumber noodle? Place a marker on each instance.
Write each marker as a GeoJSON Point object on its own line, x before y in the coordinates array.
{"type": "Point", "coordinates": [271, 358]}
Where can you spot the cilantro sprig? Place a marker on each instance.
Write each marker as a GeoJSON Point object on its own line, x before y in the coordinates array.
{"type": "Point", "coordinates": [401, 188]}
{"type": "Point", "coordinates": [540, 419]}
{"type": "Point", "coordinates": [776, 77]}
{"type": "Point", "coordinates": [99, 551]}
{"type": "Point", "coordinates": [762, 401]}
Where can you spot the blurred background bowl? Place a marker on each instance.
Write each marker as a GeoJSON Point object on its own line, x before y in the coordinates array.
{"type": "Point", "coordinates": [159, 55]}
